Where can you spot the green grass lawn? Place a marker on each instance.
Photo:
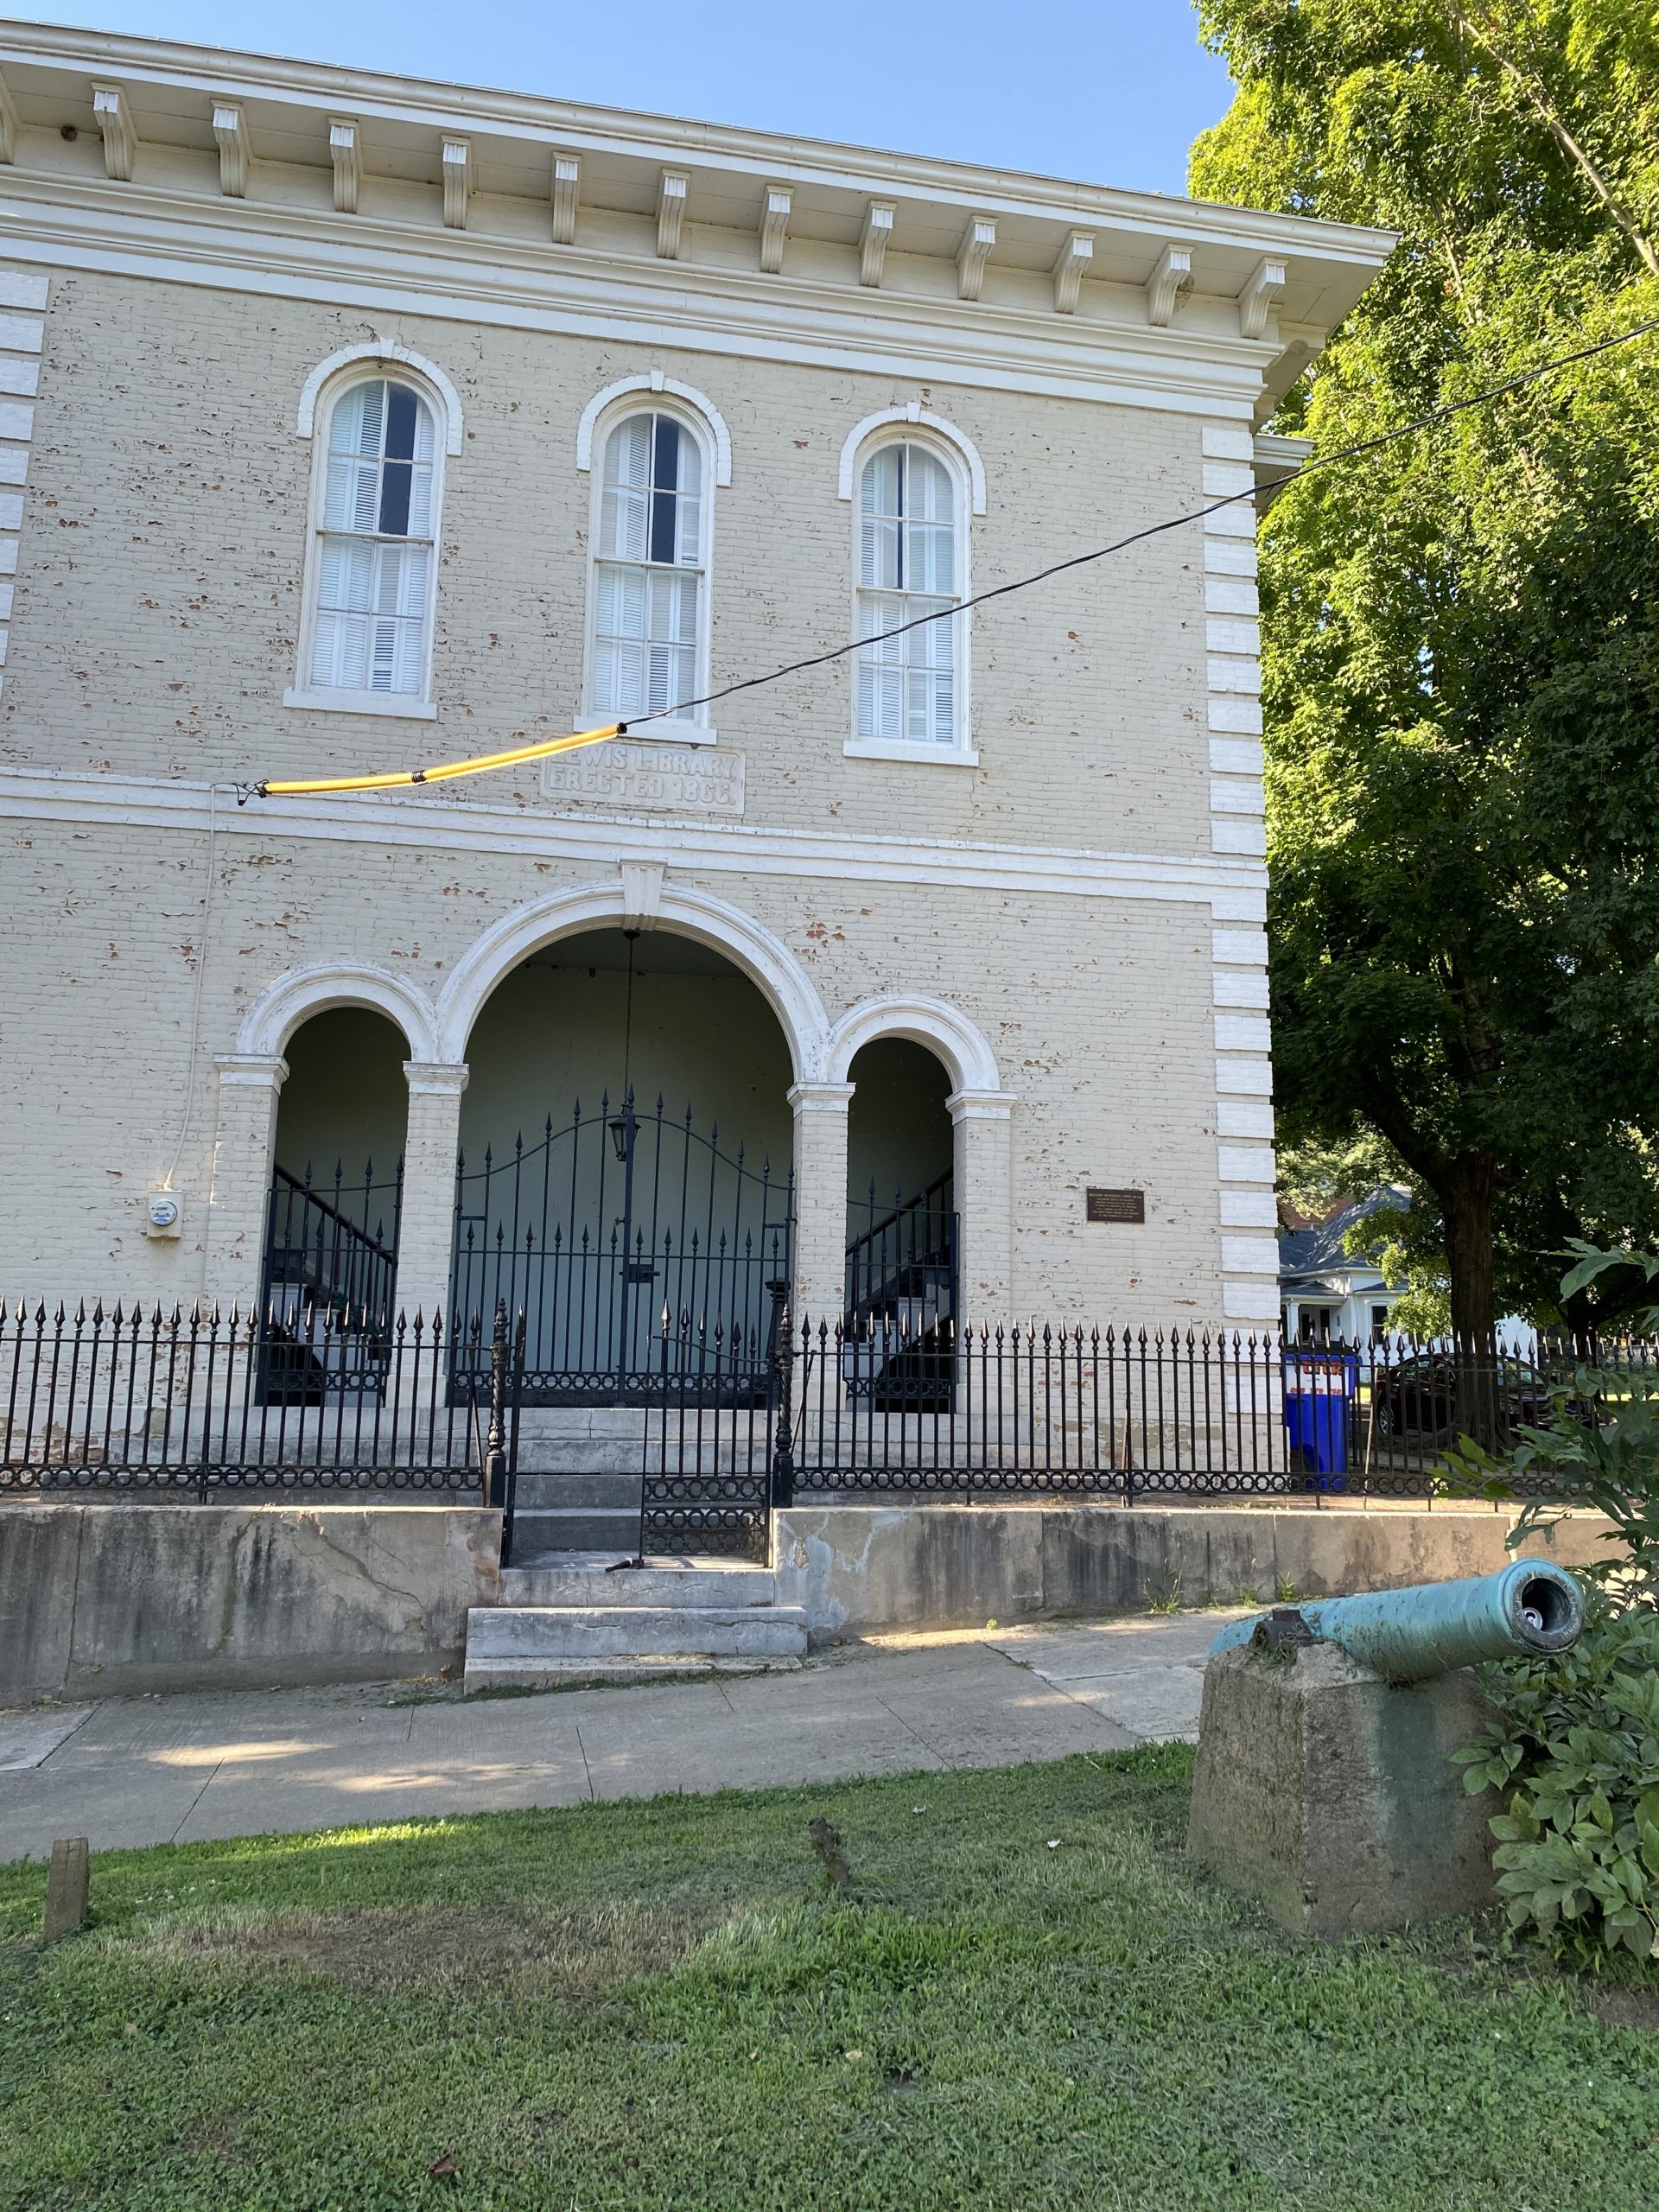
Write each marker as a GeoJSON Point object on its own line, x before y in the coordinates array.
{"type": "Point", "coordinates": [1025, 2001]}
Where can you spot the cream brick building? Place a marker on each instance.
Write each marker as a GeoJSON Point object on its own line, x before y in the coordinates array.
{"type": "Point", "coordinates": [646, 407]}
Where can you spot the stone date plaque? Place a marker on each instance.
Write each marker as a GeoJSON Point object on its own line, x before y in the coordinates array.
{"type": "Point", "coordinates": [674, 778]}
{"type": "Point", "coordinates": [1115, 1206]}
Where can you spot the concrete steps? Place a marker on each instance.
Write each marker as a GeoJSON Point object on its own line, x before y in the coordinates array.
{"type": "Point", "coordinates": [586, 1509]}
{"type": "Point", "coordinates": [565, 1619]}
{"type": "Point", "coordinates": [580, 1579]}
{"type": "Point", "coordinates": [544, 1530]}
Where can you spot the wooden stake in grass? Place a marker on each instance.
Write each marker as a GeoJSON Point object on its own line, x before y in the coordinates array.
{"type": "Point", "coordinates": [826, 1841]}
{"type": "Point", "coordinates": [67, 1881]}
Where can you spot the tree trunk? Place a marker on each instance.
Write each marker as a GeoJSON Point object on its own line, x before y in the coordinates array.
{"type": "Point", "coordinates": [1466, 1192]}
{"type": "Point", "coordinates": [1465, 1195]}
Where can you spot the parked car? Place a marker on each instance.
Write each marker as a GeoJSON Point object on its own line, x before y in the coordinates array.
{"type": "Point", "coordinates": [1435, 1396]}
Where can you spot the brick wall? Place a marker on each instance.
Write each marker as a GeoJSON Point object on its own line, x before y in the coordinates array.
{"type": "Point", "coordinates": [158, 604]}
{"type": "Point", "coordinates": [156, 610]}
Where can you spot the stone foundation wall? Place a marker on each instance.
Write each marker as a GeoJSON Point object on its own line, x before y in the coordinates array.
{"type": "Point", "coordinates": [118, 1600]}
{"type": "Point", "coordinates": [937, 1565]}
{"type": "Point", "coordinates": [100, 1600]}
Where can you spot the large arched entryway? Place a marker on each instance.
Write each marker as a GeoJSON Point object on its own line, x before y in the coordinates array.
{"type": "Point", "coordinates": [624, 1160]}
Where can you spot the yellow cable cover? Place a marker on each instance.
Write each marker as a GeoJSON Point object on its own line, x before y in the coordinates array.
{"type": "Point", "coordinates": [310, 786]}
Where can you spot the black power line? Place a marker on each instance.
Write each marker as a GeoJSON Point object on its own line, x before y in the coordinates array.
{"type": "Point", "coordinates": [1157, 529]}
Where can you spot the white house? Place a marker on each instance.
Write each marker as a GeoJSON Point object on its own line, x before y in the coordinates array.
{"type": "Point", "coordinates": [1329, 1293]}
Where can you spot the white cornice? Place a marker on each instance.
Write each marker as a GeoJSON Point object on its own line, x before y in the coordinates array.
{"type": "Point", "coordinates": [572, 127]}
{"type": "Point", "coordinates": [1234, 888]}
{"type": "Point", "coordinates": [369, 263]}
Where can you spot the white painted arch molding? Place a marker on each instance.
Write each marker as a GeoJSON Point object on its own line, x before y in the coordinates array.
{"type": "Point", "coordinates": [932, 1022]}
{"type": "Point", "coordinates": [656, 381]}
{"type": "Point", "coordinates": [294, 998]}
{"type": "Point", "coordinates": [916, 413]}
{"type": "Point", "coordinates": [750, 947]}
{"type": "Point", "coordinates": [379, 350]}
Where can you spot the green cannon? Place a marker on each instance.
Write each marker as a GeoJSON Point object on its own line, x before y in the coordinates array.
{"type": "Point", "coordinates": [1327, 1781]}
{"type": "Point", "coordinates": [1530, 1607]}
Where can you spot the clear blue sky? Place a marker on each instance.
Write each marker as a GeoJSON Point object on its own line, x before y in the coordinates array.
{"type": "Point", "coordinates": [1111, 92]}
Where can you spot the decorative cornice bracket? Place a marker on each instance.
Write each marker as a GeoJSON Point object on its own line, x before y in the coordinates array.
{"type": "Point", "coordinates": [567, 183]}
{"type": "Point", "coordinates": [1262, 290]}
{"type": "Point", "coordinates": [343, 152]}
{"type": "Point", "coordinates": [231, 129]}
{"type": "Point", "coordinates": [1070, 269]}
{"type": "Point", "coordinates": [671, 190]}
{"type": "Point", "coordinates": [114, 118]}
{"type": "Point", "coordinates": [1169, 284]}
{"type": "Point", "coordinates": [457, 156]}
{"type": "Point", "coordinates": [874, 240]}
{"type": "Point", "coordinates": [973, 254]}
{"type": "Point", "coordinates": [774, 227]}
{"type": "Point", "coordinates": [8, 125]}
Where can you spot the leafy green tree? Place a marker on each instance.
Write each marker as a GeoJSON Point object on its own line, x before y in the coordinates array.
{"type": "Point", "coordinates": [1461, 632]}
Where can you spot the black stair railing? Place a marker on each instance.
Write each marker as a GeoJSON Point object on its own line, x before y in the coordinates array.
{"type": "Point", "coordinates": [901, 1293]}
{"type": "Point", "coordinates": [321, 1252]}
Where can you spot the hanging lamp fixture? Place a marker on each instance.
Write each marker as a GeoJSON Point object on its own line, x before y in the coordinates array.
{"type": "Point", "coordinates": [621, 1125]}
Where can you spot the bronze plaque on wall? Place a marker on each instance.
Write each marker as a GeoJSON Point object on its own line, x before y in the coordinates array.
{"type": "Point", "coordinates": [1115, 1206]}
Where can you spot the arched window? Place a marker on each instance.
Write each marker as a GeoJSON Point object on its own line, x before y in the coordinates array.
{"type": "Point", "coordinates": [649, 598]}
{"type": "Point", "coordinates": [366, 639]}
{"type": "Point", "coordinates": [911, 520]}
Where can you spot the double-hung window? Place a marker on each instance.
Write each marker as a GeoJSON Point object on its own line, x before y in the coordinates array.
{"type": "Point", "coordinates": [650, 572]}
{"type": "Point", "coordinates": [909, 565]}
{"type": "Point", "coordinates": [373, 563]}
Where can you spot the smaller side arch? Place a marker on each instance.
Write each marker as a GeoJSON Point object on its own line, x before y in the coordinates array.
{"type": "Point", "coordinates": [932, 1022]}
{"type": "Point", "coordinates": [918, 414]}
{"type": "Point", "coordinates": [656, 381]}
{"type": "Point", "coordinates": [294, 998]}
{"type": "Point", "coordinates": [376, 350]}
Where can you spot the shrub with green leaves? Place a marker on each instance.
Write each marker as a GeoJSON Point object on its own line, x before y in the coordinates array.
{"type": "Point", "coordinates": [1575, 1751]}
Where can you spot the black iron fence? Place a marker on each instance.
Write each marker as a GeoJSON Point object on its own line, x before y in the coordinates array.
{"type": "Point", "coordinates": [740, 1414]}
{"type": "Point", "coordinates": [1131, 1414]}
{"type": "Point", "coordinates": [189, 1403]}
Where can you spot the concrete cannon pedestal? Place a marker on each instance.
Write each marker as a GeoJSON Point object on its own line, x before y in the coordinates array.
{"type": "Point", "coordinates": [1328, 1793]}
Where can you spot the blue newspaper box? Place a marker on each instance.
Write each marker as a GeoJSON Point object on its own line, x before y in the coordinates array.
{"type": "Point", "coordinates": [1319, 1386]}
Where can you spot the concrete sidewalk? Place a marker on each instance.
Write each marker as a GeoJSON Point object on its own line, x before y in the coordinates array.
{"type": "Point", "coordinates": [180, 1769]}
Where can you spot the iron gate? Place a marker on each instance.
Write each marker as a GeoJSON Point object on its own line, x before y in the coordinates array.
{"type": "Point", "coordinates": [717, 1445]}
{"type": "Point", "coordinates": [605, 1226]}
